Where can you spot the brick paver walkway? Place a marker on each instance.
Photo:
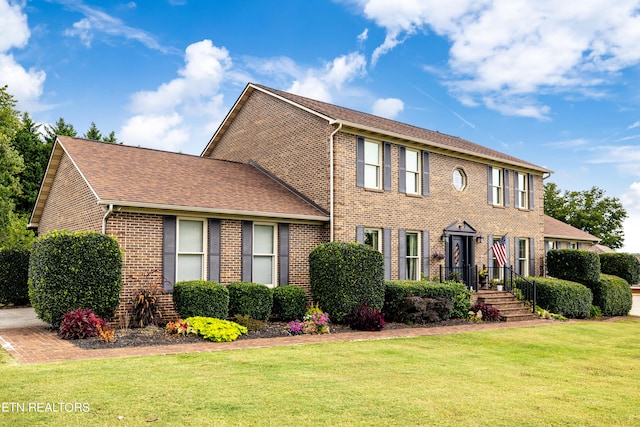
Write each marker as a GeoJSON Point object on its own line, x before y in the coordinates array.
{"type": "Point", "coordinates": [38, 344]}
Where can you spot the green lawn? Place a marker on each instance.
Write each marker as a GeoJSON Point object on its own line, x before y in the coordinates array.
{"type": "Point", "coordinates": [582, 374]}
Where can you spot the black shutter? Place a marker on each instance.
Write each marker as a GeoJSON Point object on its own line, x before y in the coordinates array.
{"type": "Point", "coordinates": [360, 162]}
{"type": "Point", "coordinates": [283, 254]}
{"type": "Point", "coordinates": [425, 253]}
{"type": "Point", "coordinates": [516, 255]}
{"type": "Point", "coordinates": [386, 154]}
{"type": "Point", "coordinates": [360, 234]}
{"type": "Point", "coordinates": [214, 250]}
{"type": "Point", "coordinates": [386, 252]}
{"type": "Point", "coordinates": [489, 251]}
{"type": "Point", "coordinates": [402, 254]}
{"type": "Point", "coordinates": [247, 251]}
{"type": "Point", "coordinates": [516, 190]}
{"type": "Point", "coordinates": [532, 257]}
{"type": "Point", "coordinates": [426, 170]}
{"type": "Point", "coordinates": [490, 185]}
{"type": "Point", "coordinates": [531, 193]}
{"type": "Point", "coordinates": [169, 252]}
{"type": "Point", "coordinates": [507, 188]}
{"type": "Point", "coordinates": [402, 169]}
{"type": "Point", "coordinates": [508, 249]}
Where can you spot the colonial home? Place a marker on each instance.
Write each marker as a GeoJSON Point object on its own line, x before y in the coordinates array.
{"type": "Point", "coordinates": [284, 173]}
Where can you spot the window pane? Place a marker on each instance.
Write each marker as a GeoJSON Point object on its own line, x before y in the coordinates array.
{"type": "Point", "coordinates": [371, 153]}
{"type": "Point", "coordinates": [371, 238]}
{"type": "Point", "coordinates": [263, 239]}
{"type": "Point", "coordinates": [263, 269]}
{"type": "Point", "coordinates": [412, 244]}
{"type": "Point", "coordinates": [412, 269]}
{"type": "Point", "coordinates": [189, 267]}
{"type": "Point", "coordinates": [497, 177]}
{"type": "Point", "coordinates": [459, 180]}
{"type": "Point", "coordinates": [412, 182]}
{"type": "Point", "coordinates": [411, 160]}
{"type": "Point", "coordinates": [371, 176]}
{"type": "Point", "coordinates": [190, 236]}
{"type": "Point", "coordinates": [497, 196]}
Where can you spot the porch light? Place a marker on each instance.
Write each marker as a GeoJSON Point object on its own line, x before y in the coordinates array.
{"type": "Point", "coordinates": [479, 239]}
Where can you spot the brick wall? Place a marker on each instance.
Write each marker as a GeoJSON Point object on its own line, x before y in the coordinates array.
{"type": "Point", "coordinates": [356, 206]}
{"type": "Point", "coordinates": [71, 204]}
{"type": "Point", "coordinates": [290, 143]}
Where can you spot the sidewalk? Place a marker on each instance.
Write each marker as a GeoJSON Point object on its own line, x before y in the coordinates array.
{"type": "Point", "coordinates": [37, 344]}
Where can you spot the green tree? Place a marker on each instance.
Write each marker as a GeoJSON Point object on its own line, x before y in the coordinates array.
{"type": "Point", "coordinates": [35, 153]}
{"type": "Point", "coordinates": [61, 128]}
{"type": "Point", "coordinates": [11, 163]}
{"type": "Point", "coordinates": [588, 210]}
{"type": "Point", "coordinates": [93, 133]}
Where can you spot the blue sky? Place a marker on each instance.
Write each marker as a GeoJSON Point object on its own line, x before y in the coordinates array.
{"type": "Point", "coordinates": [553, 83]}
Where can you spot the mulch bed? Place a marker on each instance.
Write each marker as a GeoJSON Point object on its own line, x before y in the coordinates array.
{"type": "Point", "coordinates": [138, 337]}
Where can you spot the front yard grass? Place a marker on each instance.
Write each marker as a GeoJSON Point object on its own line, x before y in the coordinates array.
{"type": "Point", "coordinates": [567, 374]}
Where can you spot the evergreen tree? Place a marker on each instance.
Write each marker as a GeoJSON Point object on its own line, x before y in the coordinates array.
{"type": "Point", "coordinates": [93, 133]}
{"type": "Point", "coordinates": [60, 128]}
{"type": "Point", "coordinates": [10, 161]}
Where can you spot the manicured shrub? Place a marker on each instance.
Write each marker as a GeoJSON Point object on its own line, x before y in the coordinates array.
{"type": "Point", "coordinates": [249, 323]}
{"type": "Point", "coordinates": [201, 298]}
{"type": "Point", "coordinates": [574, 265]}
{"type": "Point", "coordinates": [289, 302]}
{"type": "Point", "coordinates": [343, 275]}
{"type": "Point", "coordinates": [625, 266]}
{"type": "Point", "coordinates": [613, 295]}
{"type": "Point", "coordinates": [217, 330]}
{"type": "Point", "coordinates": [74, 270]}
{"type": "Point", "coordinates": [396, 292]}
{"type": "Point", "coordinates": [489, 313]}
{"type": "Point", "coordinates": [365, 318]}
{"type": "Point", "coordinates": [14, 275]}
{"type": "Point", "coordinates": [569, 299]}
{"type": "Point", "coordinates": [79, 324]}
{"type": "Point", "coordinates": [424, 310]}
{"type": "Point", "coordinates": [250, 299]}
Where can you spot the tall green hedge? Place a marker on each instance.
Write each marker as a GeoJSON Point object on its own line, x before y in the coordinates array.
{"type": "Point", "coordinates": [14, 275]}
{"type": "Point", "coordinates": [564, 297]}
{"type": "Point", "coordinates": [70, 270]}
{"type": "Point", "coordinates": [574, 265]}
{"type": "Point", "coordinates": [625, 266]}
{"type": "Point", "coordinates": [397, 290]}
{"type": "Point", "coordinates": [613, 295]}
{"type": "Point", "coordinates": [199, 298]}
{"type": "Point", "coordinates": [344, 275]}
{"type": "Point", "coordinates": [250, 299]}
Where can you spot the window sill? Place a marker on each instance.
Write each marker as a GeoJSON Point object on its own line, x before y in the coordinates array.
{"type": "Point", "coordinates": [414, 195]}
{"type": "Point", "coordinates": [374, 190]}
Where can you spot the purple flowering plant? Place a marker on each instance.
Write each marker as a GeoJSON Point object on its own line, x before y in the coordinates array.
{"type": "Point", "coordinates": [314, 322]}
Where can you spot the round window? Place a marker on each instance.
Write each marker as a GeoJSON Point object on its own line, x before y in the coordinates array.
{"type": "Point", "coordinates": [459, 179]}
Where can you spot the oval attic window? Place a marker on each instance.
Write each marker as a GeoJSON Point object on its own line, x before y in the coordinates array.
{"type": "Point", "coordinates": [459, 179]}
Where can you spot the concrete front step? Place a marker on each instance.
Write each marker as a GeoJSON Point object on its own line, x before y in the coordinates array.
{"type": "Point", "coordinates": [511, 309]}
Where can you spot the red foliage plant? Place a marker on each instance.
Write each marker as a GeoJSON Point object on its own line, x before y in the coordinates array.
{"type": "Point", "coordinates": [365, 318]}
{"type": "Point", "coordinates": [80, 323]}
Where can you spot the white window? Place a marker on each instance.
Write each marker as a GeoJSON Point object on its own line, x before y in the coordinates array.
{"type": "Point", "coordinates": [412, 167]}
{"type": "Point", "coordinates": [523, 191]}
{"type": "Point", "coordinates": [551, 245]}
{"type": "Point", "coordinates": [459, 179]}
{"type": "Point", "coordinates": [372, 238]}
{"type": "Point", "coordinates": [523, 256]}
{"type": "Point", "coordinates": [497, 272]}
{"type": "Point", "coordinates": [264, 254]}
{"type": "Point", "coordinates": [372, 164]}
{"type": "Point", "coordinates": [497, 185]}
{"type": "Point", "coordinates": [413, 256]}
{"type": "Point", "coordinates": [190, 250]}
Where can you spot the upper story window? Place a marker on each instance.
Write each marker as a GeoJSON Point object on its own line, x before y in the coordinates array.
{"type": "Point", "coordinates": [372, 238]}
{"type": "Point", "coordinates": [372, 164]}
{"type": "Point", "coordinates": [522, 191]}
{"type": "Point", "coordinates": [190, 249]}
{"type": "Point", "coordinates": [264, 254]}
{"type": "Point", "coordinates": [459, 179]}
{"type": "Point", "coordinates": [412, 170]}
{"type": "Point", "coordinates": [497, 182]}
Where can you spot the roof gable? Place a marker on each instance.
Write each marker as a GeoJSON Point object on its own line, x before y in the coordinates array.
{"type": "Point", "coordinates": [554, 228]}
{"type": "Point", "coordinates": [365, 122]}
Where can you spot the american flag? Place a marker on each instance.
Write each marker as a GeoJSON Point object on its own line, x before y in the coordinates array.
{"type": "Point", "coordinates": [500, 251]}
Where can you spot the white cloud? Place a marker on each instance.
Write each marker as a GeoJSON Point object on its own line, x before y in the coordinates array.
{"type": "Point", "coordinates": [635, 125]}
{"type": "Point", "coordinates": [631, 202]}
{"type": "Point", "coordinates": [195, 94]}
{"type": "Point", "coordinates": [363, 36]}
{"type": "Point", "coordinates": [625, 157]}
{"type": "Point", "coordinates": [322, 83]}
{"type": "Point", "coordinates": [506, 52]}
{"type": "Point", "coordinates": [25, 85]}
{"type": "Point", "coordinates": [388, 107]}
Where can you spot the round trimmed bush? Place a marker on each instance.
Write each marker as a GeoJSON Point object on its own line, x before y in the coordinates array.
{"type": "Point", "coordinates": [250, 299]}
{"type": "Point", "coordinates": [574, 265]}
{"type": "Point", "coordinates": [289, 302]}
{"type": "Point", "coordinates": [625, 266]}
{"type": "Point", "coordinates": [613, 295]}
{"type": "Point", "coordinates": [396, 292]}
{"type": "Point", "coordinates": [345, 275]}
{"type": "Point", "coordinates": [569, 299]}
{"type": "Point", "coordinates": [14, 275]}
{"type": "Point", "coordinates": [200, 298]}
{"type": "Point", "coordinates": [70, 270]}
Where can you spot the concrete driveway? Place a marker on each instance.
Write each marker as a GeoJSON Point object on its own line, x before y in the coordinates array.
{"type": "Point", "coordinates": [23, 317]}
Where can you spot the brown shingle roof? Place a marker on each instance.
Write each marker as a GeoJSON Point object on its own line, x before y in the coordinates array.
{"type": "Point", "coordinates": [358, 119]}
{"type": "Point", "coordinates": [140, 177]}
{"type": "Point", "coordinates": [554, 228]}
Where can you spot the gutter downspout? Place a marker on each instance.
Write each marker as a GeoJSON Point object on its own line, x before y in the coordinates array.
{"type": "Point", "coordinates": [331, 179]}
{"type": "Point", "coordinates": [104, 218]}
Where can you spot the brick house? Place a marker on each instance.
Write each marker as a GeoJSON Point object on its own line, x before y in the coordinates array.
{"type": "Point", "coordinates": [284, 173]}
{"type": "Point", "coordinates": [560, 235]}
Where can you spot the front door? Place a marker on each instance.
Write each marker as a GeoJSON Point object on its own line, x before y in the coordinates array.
{"type": "Point", "coordinates": [458, 258]}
